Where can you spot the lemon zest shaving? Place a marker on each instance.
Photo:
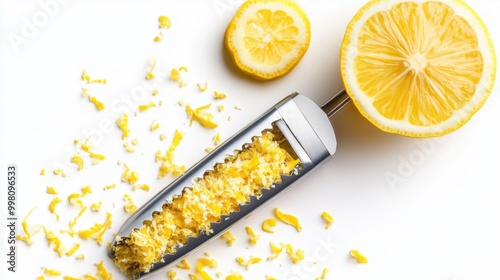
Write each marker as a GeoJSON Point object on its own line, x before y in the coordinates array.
{"type": "Point", "coordinates": [52, 206]}
{"type": "Point", "coordinates": [219, 95]}
{"type": "Point", "coordinates": [145, 107]}
{"type": "Point", "coordinates": [200, 115]}
{"type": "Point", "coordinates": [287, 219]}
{"type": "Point", "coordinates": [229, 238]}
{"type": "Point", "coordinates": [360, 258]}
{"type": "Point", "coordinates": [86, 78]}
{"type": "Point", "coordinates": [97, 230]}
{"type": "Point", "coordinates": [328, 219]}
{"type": "Point", "coordinates": [129, 205]}
{"type": "Point", "coordinates": [51, 271]}
{"type": "Point", "coordinates": [51, 190]}
{"type": "Point", "coordinates": [102, 272]}
{"type": "Point", "coordinates": [27, 235]}
{"type": "Point", "coordinates": [76, 159]}
{"type": "Point", "coordinates": [253, 237]}
{"type": "Point", "coordinates": [151, 75]}
{"type": "Point", "coordinates": [167, 159]}
{"type": "Point", "coordinates": [183, 265]}
{"type": "Point", "coordinates": [268, 225]}
{"type": "Point", "coordinates": [122, 123]}
{"type": "Point", "coordinates": [203, 87]}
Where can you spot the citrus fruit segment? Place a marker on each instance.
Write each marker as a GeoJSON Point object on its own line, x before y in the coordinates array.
{"type": "Point", "coordinates": [267, 38]}
{"type": "Point", "coordinates": [417, 68]}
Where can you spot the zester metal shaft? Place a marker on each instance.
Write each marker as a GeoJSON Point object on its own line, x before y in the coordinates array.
{"type": "Point", "coordinates": [336, 103]}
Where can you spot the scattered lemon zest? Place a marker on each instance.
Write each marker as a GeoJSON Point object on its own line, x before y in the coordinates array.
{"type": "Point", "coordinates": [358, 256]}
{"type": "Point", "coordinates": [164, 22]}
{"type": "Point", "coordinates": [163, 136]}
{"type": "Point", "coordinates": [175, 75]}
{"type": "Point", "coordinates": [76, 159]}
{"type": "Point", "coordinates": [247, 263]}
{"type": "Point", "coordinates": [220, 108]}
{"type": "Point", "coordinates": [27, 235]}
{"type": "Point", "coordinates": [209, 149]}
{"type": "Point", "coordinates": [183, 265]}
{"type": "Point", "coordinates": [323, 274]}
{"type": "Point", "coordinates": [75, 198]}
{"type": "Point", "coordinates": [51, 271]}
{"type": "Point", "coordinates": [144, 187]}
{"type": "Point", "coordinates": [203, 87]}
{"type": "Point", "coordinates": [87, 147]}
{"type": "Point", "coordinates": [271, 278]}
{"type": "Point", "coordinates": [151, 75]}
{"type": "Point", "coordinates": [295, 256]}
{"type": "Point", "coordinates": [97, 230]}
{"type": "Point", "coordinates": [229, 238]}
{"type": "Point", "coordinates": [268, 225]}
{"type": "Point", "coordinates": [86, 78]}
{"type": "Point", "coordinates": [217, 139]}
{"type": "Point", "coordinates": [52, 206]}
{"type": "Point", "coordinates": [167, 159]}
{"type": "Point", "coordinates": [72, 222]}
{"type": "Point", "coordinates": [68, 277]}
{"type": "Point", "coordinates": [110, 186]}
{"type": "Point", "coordinates": [51, 190]}
{"type": "Point", "coordinates": [42, 172]}
{"type": "Point", "coordinates": [80, 257]}
{"type": "Point", "coordinates": [253, 237]}
{"type": "Point", "coordinates": [158, 37]}
{"type": "Point", "coordinates": [54, 240]}
{"type": "Point", "coordinates": [276, 249]}
{"type": "Point", "coordinates": [102, 272]}
{"type": "Point", "coordinates": [98, 104]}
{"type": "Point", "coordinates": [73, 249]}
{"type": "Point", "coordinates": [129, 205]}
{"type": "Point", "coordinates": [128, 148]}
{"type": "Point", "coordinates": [96, 207]}
{"type": "Point", "coordinates": [122, 123]}
{"type": "Point", "coordinates": [129, 176]}
{"type": "Point", "coordinates": [219, 95]}
{"type": "Point", "coordinates": [204, 262]}
{"type": "Point", "coordinates": [172, 274]}
{"type": "Point", "coordinates": [328, 219]}
{"type": "Point", "coordinates": [59, 172]}
{"type": "Point", "coordinates": [154, 125]}
{"type": "Point", "coordinates": [200, 115]}
{"type": "Point", "coordinates": [181, 102]}
{"type": "Point", "coordinates": [287, 219]}
{"type": "Point", "coordinates": [236, 107]}
{"type": "Point", "coordinates": [234, 276]}
{"type": "Point", "coordinates": [41, 277]}
{"type": "Point", "coordinates": [145, 107]}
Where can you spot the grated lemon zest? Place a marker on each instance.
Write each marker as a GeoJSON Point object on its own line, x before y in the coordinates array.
{"type": "Point", "coordinates": [203, 87]}
{"type": "Point", "coordinates": [67, 277]}
{"type": "Point", "coordinates": [247, 263]}
{"type": "Point", "coordinates": [86, 78]}
{"type": "Point", "coordinates": [219, 192]}
{"type": "Point", "coordinates": [271, 278]}
{"type": "Point", "coordinates": [129, 205]}
{"type": "Point", "coordinates": [145, 107]}
{"type": "Point", "coordinates": [41, 277]}
{"type": "Point", "coordinates": [52, 206]}
{"type": "Point", "coordinates": [360, 258]}
{"type": "Point", "coordinates": [97, 230]}
{"type": "Point", "coordinates": [122, 123]}
{"type": "Point", "coordinates": [87, 147]}
{"type": "Point", "coordinates": [219, 95]}
{"type": "Point", "coordinates": [172, 274]}
{"type": "Point", "coordinates": [175, 75]}
{"type": "Point", "coordinates": [183, 265]}
{"type": "Point", "coordinates": [129, 176]}
{"type": "Point", "coordinates": [253, 237]}
{"type": "Point", "coordinates": [42, 172]}
{"type": "Point", "coordinates": [72, 222]}
{"type": "Point", "coordinates": [220, 108]}
{"type": "Point", "coordinates": [51, 190]}
{"type": "Point", "coordinates": [52, 239]}
{"type": "Point", "coordinates": [276, 249]}
{"type": "Point", "coordinates": [154, 125]}
{"type": "Point", "coordinates": [287, 219]}
{"type": "Point", "coordinates": [96, 207]}
{"type": "Point", "coordinates": [229, 238]}
{"type": "Point", "coordinates": [234, 276]}
{"type": "Point", "coordinates": [328, 219]}
{"type": "Point", "coordinates": [51, 271]}
{"type": "Point", "coordinates": [98, 104]}
{"type": "Point", "coordinates": [73, 249]}
{"type": "Point", "coordinates": [323, 274]}
{"type": "Point", "coordinates": [144, 187]}
{"type": "Point", "coordinates": [80, 257]}
{"type": "Point", "coordinates": [27, 235]}
{"type": "Point", "coordinates": [164, 22]}
{"type": "Point", "coordinates": [268, 225]}
{"type": "Point", "coordinates": [128, 148]}
{"type": "Point", "coordinates": [110, 186]}
{"type": "Point", "coordinates": [102, 272]}
{"type": "Point", "coordinates": [295, 256]}
{"type": "Point", "coordinates": [151, 75]}
{"type": "Point", "coordinates": [217, 139]}
{"type": "Point", "coordinates": [76, 159]}
{"type": "Point", "coordinates": [166, 159]}
{"type": "Point", "coordinates": [200, 115]}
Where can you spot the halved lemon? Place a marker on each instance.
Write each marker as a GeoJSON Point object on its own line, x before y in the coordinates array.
{"type": "Point", "coordinates": [267, 38]}
{"type": "Point", "coordinates": [418, 68]}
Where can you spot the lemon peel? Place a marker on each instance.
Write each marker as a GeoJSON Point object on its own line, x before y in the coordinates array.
{"type": "Point", "coordinates": [287, 219]}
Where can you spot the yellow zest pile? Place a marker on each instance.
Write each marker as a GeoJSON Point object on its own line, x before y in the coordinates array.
{"type": "Point", "coordinates": [220, 192]}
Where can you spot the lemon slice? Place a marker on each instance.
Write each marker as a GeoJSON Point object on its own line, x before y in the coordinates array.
{"type": "Point", "coordinates": [418, 68]}
{"type": "Point", "coordinates": [267, 38]}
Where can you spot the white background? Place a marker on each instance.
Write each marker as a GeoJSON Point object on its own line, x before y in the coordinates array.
{"type": "Point", "coordinates": [439, 221]}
